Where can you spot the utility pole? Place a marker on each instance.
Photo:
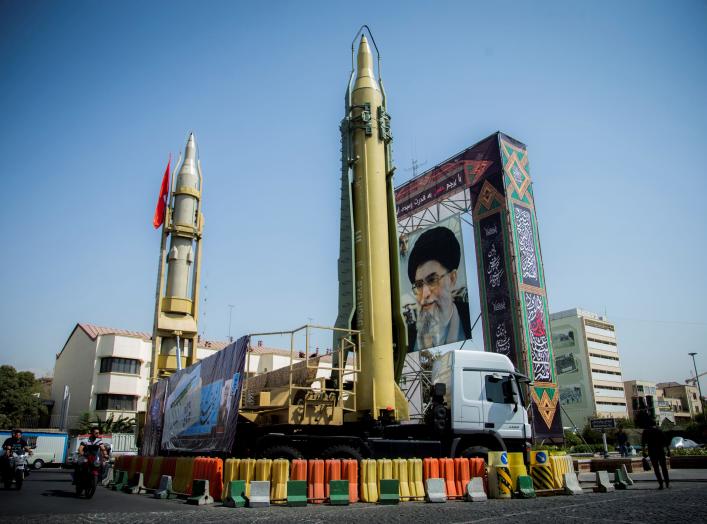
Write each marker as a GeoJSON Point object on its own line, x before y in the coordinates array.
{"type": "Point", "coordinates": [697, 379]}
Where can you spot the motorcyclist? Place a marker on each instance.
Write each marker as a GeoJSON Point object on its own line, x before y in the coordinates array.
{"type": "Point", "coordinates": [94, 444]}
{"type": "Point", "coordinates": [14, 444]}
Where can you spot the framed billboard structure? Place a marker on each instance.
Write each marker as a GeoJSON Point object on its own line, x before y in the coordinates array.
{"type": "Point", "coordinates": [490, 182]}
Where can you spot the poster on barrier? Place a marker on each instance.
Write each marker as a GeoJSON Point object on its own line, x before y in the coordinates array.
{"type": "Point", "coordinates": [201, 402]}
{"type": "Point", "coordinates": [152, 435]}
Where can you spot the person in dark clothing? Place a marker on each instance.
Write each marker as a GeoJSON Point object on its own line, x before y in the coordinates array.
{"type": "Point", "coordinates": [14, 444]}
{"type": "Point", "coordinates": [654, 445]}
{"type": "Point", "coordinates": [622, 440]}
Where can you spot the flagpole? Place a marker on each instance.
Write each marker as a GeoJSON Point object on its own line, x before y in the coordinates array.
{"type": "Point", "coordinates": [156, 339]}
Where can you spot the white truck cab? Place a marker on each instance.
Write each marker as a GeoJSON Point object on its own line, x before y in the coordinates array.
{"type": "Point", "coordinates": [485, 399]}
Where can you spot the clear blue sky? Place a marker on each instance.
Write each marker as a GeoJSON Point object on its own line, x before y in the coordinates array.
{"type": "Point", "coordinates": [608, 96]}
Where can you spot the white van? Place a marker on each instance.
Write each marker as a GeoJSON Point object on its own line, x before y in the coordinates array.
{"type": "Point", "coordinates": [47, 447]}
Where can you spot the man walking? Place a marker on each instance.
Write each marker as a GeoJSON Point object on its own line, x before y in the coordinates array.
{"type": "Point", "coordinates": [654, 445]}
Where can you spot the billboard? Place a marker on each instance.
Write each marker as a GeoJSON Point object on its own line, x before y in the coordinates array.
{"type": "Point", "coordinates": [434, 296]}
{"type": "Point", "coordinates": [196, 409]}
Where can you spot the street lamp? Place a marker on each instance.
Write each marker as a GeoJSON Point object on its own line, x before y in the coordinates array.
{"type": "Point", "coordinates": [697, 378]}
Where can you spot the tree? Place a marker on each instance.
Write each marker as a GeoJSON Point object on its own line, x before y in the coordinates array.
{"type": "Point", "coordinates": [109, 425]}
{"type": "Point", "coordinates": [18, 402]}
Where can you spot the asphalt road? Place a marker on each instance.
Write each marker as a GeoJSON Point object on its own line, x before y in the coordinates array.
{"type": "Point", "coordinates": [47, 497]}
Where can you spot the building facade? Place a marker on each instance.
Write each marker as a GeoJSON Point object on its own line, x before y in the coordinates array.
{"type": "Point", "coordinates": [588, 367]}
{"type": "Point", "coordinates": [107, 372]}
{"type": "Point", "coordinates": [688, 397]}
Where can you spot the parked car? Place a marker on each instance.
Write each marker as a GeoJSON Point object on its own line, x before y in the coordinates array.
{"type": "Point", "coordinates": [684, 443]}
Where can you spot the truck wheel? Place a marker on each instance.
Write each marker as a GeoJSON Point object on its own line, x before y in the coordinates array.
{"type": "Point", "coordinates": [286, 452]}
{"type": "Point", "coordinates": [476, 451]}
{"type": "Point", "coordinates": [38, 464]}
{"type": "Point", "coordinates": [342, 451]}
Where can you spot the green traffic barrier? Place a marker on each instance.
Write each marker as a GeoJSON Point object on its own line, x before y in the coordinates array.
{"type": "Point", "coordinates": [296, 493]}
{"type": "Point", "coordinates": [389, 492]}
{"type": "Point", "coordinates": [235, 498]}
{"type": "Point", "coordinates": [620, 481]}
{"type": "Point", "coordinates": [339, 492]}
{"type": "Point", "coordinates": [525, 487]}
{"type": "Point", "coordinates": [120, 479]}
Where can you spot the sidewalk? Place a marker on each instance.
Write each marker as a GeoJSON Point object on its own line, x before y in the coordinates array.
{"type": "Point", "coordinates": [676, 475]}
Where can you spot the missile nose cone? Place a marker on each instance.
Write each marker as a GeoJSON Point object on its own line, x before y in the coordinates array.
{"type": "Point", "coordinates": [364, 59]}
{"type": "Point", "coordinates": [190, 150]}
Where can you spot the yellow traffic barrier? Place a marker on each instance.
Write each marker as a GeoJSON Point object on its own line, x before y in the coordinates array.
{"type": "Point", "coordinates": [246, 471]}
{"type": "Point", "coordinates": [280, 474]}
{"type": "Point", "coordinates": [369, 481]}
{"type": "Point", "coordinates": [504, 482]}
{"type": "Point", "coordinates": [154, 480]}
{"type": "Point", "coordinates": [181, 483]}
{"type": "Point", "coordinates": [230, 472]}
{"type": "Point", "coordinates": [498, 458]}
{"type": "Point", "coordinates": [516, 466]}
{"type": "Point", "coordinates": [400, 472]}
{"type": "Point", "coordinates": [417, 486]}
{"type": "Point", "coordinates": [263, 469]}
{"type": "Point", "coordinates": [560, 464]}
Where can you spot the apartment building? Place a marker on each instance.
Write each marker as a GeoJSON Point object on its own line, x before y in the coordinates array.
{"type": "Point", "coordinates": [685, 396]}
{"type": "Point", "coordinates": [588, 367]}
{"type": "Point", "coordinates": [107, 372]}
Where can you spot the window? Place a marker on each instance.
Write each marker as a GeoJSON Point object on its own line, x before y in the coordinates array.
{"type": "Point", "coordinates": [499, 389]}
{"type": "Point", "coordinates": [120, 365]}
{"type": "Point", "coordinates": [116, 402]}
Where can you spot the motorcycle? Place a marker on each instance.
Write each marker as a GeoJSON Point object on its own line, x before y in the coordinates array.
{"type": "Point", "coordinates": [87, 475]}
{"type": "Point", "coordinates": [15, 470]}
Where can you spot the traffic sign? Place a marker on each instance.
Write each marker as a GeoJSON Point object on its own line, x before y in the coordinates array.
{"type": "Point", "coordinates": [602, 423]}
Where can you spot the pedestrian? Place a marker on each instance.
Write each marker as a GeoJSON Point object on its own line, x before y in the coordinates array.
{"type": "Point", "coordinates": [622, 440]}
{"type": "Point", "coordinates": [654, 445]}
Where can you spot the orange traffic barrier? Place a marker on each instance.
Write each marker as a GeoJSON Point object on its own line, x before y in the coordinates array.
{"type": "Point", "coordinates": [152, 481]}
{"type": "Point", "coordinates": [298, 469]}
{"type": "Point", "coordinates": [169, 466]}
{"type": "Point", "coordinates": [147, 469]}
{"type": "Point", "coordinates": [315, 481]}
{"type": "Point", "coordinates": [430, 468]}
{"type": "Point", "coordinates": [138, 466]}
{"type": "Point", "coordinates": [216, 479]}
{"type": "Point", "coordinates": [461, 474]}
{"type": "Point", "coordinates": [332, 471]}
{"type": "Point", "coordinates": [349, 471]}
{"type": "Point", "coordinates": [477, 468]}
{"type": "Point", "coordinates": [446, 466]}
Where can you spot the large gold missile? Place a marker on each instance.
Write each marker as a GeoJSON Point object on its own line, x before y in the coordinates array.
{"type": "Point", "coordinates": [376, 387]}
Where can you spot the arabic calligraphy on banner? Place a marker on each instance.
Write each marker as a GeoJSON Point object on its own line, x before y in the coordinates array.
{"type": "Point", "coordinates": [539, 345]}
{"type": "Point", "coordinates": [526, 245]}
{"type": "Point", "coordinates": [496, 286]}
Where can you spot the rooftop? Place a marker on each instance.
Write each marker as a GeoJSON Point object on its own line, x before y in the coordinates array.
{"type": "Point", "coordinates": [577, 312]}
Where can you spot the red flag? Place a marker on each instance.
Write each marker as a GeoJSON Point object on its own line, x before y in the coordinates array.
{"type": "Point", "coordinates": [158, 219]}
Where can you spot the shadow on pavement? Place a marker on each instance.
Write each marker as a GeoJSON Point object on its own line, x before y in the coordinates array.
{"type": "Point", "coordinates": [59, 493]}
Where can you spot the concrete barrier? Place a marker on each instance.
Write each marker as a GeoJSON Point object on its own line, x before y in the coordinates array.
{"type": "Point", "coordinates": [235, 494]}
{"type": "Point", "coordinates": [626, 476]}
{"type": "Point", "coordinates": [525, 487]}
{"type": "Point", "coordinates": [603, 483]}
{"type": "Point", "coordinates": [339, 492]}
{"type": "Point", "coordinates": [259, 494]}
{"type": "Point", "coordinates": [136, 485]}
{"type": "Point", "coordinates": [164, 489]}
{"type": "Point", "coordinates": [296, 493]}
{"type": "Point", "coordinates": [475, 490]}
{"type": "Point", "coordinates": [389, 492]}
{"type": "Point", "coordinates": [571, 484]}
{"type": "Point", "coordinates": [435, 490]}
{"type": "Point", "coordinates": [201, 493]}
